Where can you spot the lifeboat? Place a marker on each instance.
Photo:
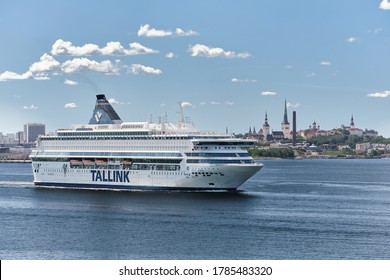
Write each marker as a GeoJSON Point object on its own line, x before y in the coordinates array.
{"type": "Point", "coordinates": [101, 161]}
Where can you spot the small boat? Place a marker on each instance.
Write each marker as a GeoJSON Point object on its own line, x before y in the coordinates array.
{"type": "Point", "coordinates": [101, 161]}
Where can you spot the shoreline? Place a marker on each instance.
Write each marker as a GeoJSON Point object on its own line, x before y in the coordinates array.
{"type": "Point", "coordinates": [311, 158]}
{"type": "Point", "coordinates": [255, 158]}
{"type": "Point", "coordinates": [15, 160]}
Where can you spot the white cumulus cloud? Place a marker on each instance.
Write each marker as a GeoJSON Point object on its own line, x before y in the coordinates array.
{"type": "Point", "coordinates": [185, 104]}
{"type": "Point", "coordinates": [147, 31]}
{"type": "Point", "coordinates": [325, 63]}
{"type": "Point", "coordinates": [45, 64]}
{"type": "Point", "coordinates": [70, 82]}
{"type": "Point", "coordinates": [382, 94]}
{"type": "Point", "coordinates": [137, 48]}
{"type": "Point", "coordinates": [61, 47]}
{"type": "Point", "coordinates": [138, 68]}
{"type": "Point", "coordinates": [48, 66]}
{"type": "Point", "coordinates": [267, 93]}
{"type": "Point", "coordinates": [43, 76]}
{"type": "Point", "coordinates": [71, 105]}
{"type": "Point", "coordinates": [352, 40]}
{"type": "Point", "coordinates": [113, 101]}
{"type": "Point", "coordinates": [31, 107]}
{"type": "Point", "coordinates": [203, 50]}
{"type": "Point", "coordinates": [82, 64]}
{"type": "Point", "coordinates": [181, 32]}
{"type": "Point", "coordinates": [291, 105]}
{"type": "Point", "coordinates": [170, 55]}
{"type": "Point", "coordinates": [8, 75]}
{"type": "Point", "coordinates": [235, 80]}
{"type": "Point", "coordinates": [384, 5]}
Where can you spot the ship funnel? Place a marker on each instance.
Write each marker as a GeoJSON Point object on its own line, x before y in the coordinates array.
{"type": "Point", "coordinates": [104, 113]}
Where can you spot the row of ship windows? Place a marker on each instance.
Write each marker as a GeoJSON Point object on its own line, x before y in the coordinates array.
{"type": "Point", "coordinates": [208, 174]}
{"type": "Point", "coordinates": [51, 171]}
{"type": "Point", "coordinates": [217, 154]}
{"type": "Point", "coordinates": [148, 163]}
{"type": "Point", "coordinates": [118, 142]}
{"type": "Point", "coordinates": [116, 148]}
{"type": "Point", "coordinates": [102, 133]}
{"type": "Point", "coordinates": [216, 148]}
{"type": "Point", "coordinates": [134, 148]}
{"type": "Point", "coordinates": [220, 161]}
{"type": "Point", "coordinates": [138, 154]}
{"type": "Point", "coordinates": [168, 167]}
{"type": "Point", "coordinates": [167, 173]}
{"type": "Point", "coordinates": [113, 137]}
{"type": "Point", "coordinates": [108, 154]}
{"type": "Point", "coordinates": [126, 135]}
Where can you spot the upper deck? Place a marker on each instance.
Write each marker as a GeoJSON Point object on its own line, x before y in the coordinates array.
{"type": "Point", "coordinates": [105, 126]}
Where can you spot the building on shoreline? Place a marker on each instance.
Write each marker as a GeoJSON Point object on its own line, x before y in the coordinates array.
{"type": "Point", "coordinates": [267, 135]}
{"type": "Point", "coordinates": [32, 131]}
{"type": "Point", "coordinates": [315, 131]}
{"type": "Point", "coordinates": [340, 139]}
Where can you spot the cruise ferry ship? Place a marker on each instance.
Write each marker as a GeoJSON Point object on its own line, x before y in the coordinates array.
{"type": "Point", "coordinates": [111, 154]}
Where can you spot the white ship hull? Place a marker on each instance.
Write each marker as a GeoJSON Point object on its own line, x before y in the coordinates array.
{"type": "Point", "coordinates": [111, 154]}
{"type": "Point", "coordinates": [206, 177]}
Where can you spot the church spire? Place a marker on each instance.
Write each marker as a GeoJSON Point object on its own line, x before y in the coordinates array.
{"type": "Point", "coordinates": [285, 119]}
{"type": "Point", "coordinates": [352, 122]}
{"type": "Point", "coordinates": [266, 128]}
{"type": "Point", "coordinates": [266, 120]}
{"type": "Point", "coordinates": [285, 123]}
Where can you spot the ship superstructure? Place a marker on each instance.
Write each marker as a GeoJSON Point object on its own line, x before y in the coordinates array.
{"type": "Point", "coordinates": [111, 154]}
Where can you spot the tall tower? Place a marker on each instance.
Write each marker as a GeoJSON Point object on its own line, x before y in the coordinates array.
{"type": "Point", "coordinates": [294, 135]}
{"type": "Point", "coordinates": [266, 128]}
{"type": "Point", "coordinates": [352, 124]}
{"type": "Point", "coordinates": [285, 124]}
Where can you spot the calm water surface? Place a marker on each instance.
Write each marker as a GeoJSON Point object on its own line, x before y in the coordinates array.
{"type": "Point", "coordinates": [292, 209]}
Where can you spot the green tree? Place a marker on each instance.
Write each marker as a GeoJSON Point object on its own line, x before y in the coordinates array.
{"type": "Point", "coordinates": [375, 153]}
{"type": "Point", "coordinates": [278, 153]}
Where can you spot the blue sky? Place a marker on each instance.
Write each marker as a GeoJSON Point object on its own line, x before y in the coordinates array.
{"type": "Point", "coordinates": [231, 60]}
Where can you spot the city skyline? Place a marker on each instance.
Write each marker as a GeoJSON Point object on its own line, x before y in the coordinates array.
{"type": "Point", "coordinates": [229, 64]}
{"type": "Point", "coordinates": [278, 126]}
{"type": "Point", "coordinates": [271, 128]}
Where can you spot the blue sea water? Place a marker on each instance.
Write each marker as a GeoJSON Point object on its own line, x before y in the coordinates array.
{"type": "Point", "coordinates": [292, 209]}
